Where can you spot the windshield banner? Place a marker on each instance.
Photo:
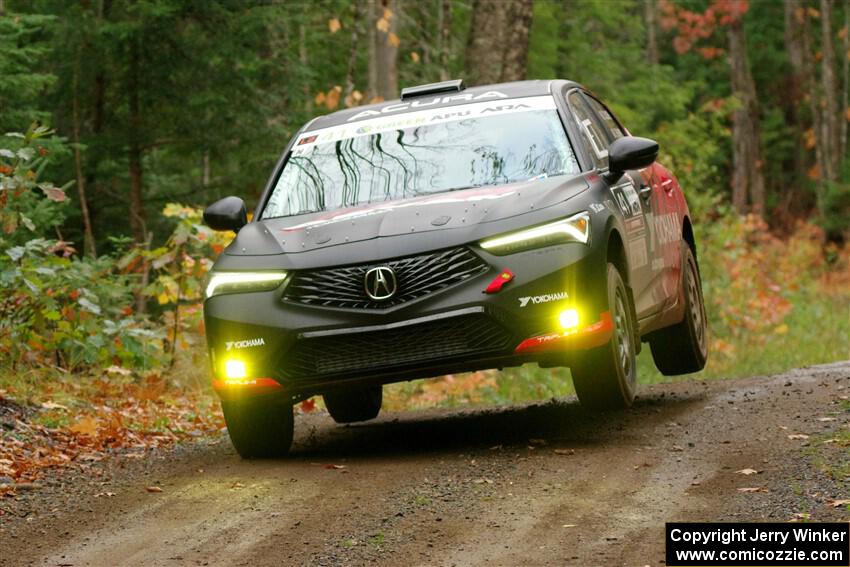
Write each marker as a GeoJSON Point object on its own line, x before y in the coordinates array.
{"type": "Point", "coordinates": [422, 118]}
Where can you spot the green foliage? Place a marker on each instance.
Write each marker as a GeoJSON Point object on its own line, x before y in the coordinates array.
{"type": "Point", "coordinates": [71, 313]}
{"type": "Point", "coordinates": [22, 45]}
{"type": "Point", "coordinates": [63, 310]}
{"type": "Point", "coordinates": [55, 308]}
{"type": "Point", "coordinates": [24, 201]}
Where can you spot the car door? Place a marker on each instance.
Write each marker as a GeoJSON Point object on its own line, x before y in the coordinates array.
{"type": "Point", "coordinates": [595, 118]}
{"type": "Point", "coordinates": [661, 212]}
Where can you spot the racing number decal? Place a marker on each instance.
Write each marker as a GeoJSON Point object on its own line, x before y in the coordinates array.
{"type": "Point", "coordinates": [627, 198]}
{"type": "Point", "coordinates": [629, 203]}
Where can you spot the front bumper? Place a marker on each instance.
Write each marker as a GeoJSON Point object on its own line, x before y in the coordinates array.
{"type": "Point", "coordinates": [303, 350]}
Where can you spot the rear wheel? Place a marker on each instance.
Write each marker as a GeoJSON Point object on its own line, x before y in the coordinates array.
{"type": "Point", "coordinates": [683, 348]}
{"type": "Point", "coordinates": [604, 377]}
{"type": "Point", "coordinates": [259, 428]}
{"type": "Point", "coordinates": [348, 406]}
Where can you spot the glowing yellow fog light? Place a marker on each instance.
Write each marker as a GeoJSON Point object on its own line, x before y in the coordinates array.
{"type": "Point", "coordinates": [234, 369]}
{"type": "Point", "coordinates": [568, 319]}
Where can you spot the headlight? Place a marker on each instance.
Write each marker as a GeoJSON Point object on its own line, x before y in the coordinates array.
{"type": "Point", "coordinates": [573, 229]}
{"type": "Point", "coordinates": [241, 282]}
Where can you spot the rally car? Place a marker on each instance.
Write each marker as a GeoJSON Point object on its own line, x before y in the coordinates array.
{"type": "Point", "coordinates": [455, 229]}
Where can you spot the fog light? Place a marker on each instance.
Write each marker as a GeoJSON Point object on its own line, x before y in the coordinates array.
{"type": "Point", "coordinates": [234, 369]}
{"type": "Point", "coordinates": [568, 319]}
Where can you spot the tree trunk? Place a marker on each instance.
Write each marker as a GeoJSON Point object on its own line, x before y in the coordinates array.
{"type": "Point", "coordinates": [485, 47]}
{"type": "Point", "coordinates": [845, 93]}
{"type": "Point", "coordinates": [88, 233]}
{"type": "Point", "coordinates": [445, 38]}
{"type": "Point", "coordinates": [137, 211]}
{"type": "Point", "coordinates": [205, 169]}
{"type": "Point", "coordinates": [650, 16]}
{"type": "Point", "coordinates": [517, 27]}
{"type": "Point", "coordinates": [384, 64]}
{"type": "Point", "coordinates": [352, 53]}
{"type": "Point", "coordinates": [371, 22]}
{"type": "Point", "coordinates": [747, 175]}
{"type": "Point", "coordinates": [832, 114]}
{"type": "Point", "coordinates": [811, 93]}
{"type": "Point", "coordinates": [303, 58]}
{"type": "Point", "coordinates": [797, 87]}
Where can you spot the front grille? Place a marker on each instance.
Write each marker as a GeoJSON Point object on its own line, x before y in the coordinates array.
{"type": "Point", "coordinates": [417, 276]}
{"type": "Point", "coordinates": [466, 335]}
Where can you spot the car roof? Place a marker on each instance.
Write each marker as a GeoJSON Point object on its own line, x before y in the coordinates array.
{"type": "Point", "coordinates": [514, 89]}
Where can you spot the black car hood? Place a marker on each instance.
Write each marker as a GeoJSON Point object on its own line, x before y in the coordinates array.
{"type": "Point", "coordinates": [465, 213]}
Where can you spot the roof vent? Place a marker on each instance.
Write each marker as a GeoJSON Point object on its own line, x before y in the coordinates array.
{"type": "Point", "coordinates": [453, 86]}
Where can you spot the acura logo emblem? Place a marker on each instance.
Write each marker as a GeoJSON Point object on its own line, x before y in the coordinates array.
{"type": "Point", "coordinates": [380, 283]}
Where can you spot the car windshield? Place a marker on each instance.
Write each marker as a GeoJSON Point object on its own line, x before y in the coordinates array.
{"type": "Point", "coordinates": [422, 153]}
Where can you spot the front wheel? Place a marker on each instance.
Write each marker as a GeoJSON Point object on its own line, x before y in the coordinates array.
{"type": "Point", "coordinates": [349, 406]}
{"type": "Point", "coordinates": [259, 428]}
{"type": "Point", "coordinates": [683, 348]}
{"type": "Point", "coordinates": [604, 377]}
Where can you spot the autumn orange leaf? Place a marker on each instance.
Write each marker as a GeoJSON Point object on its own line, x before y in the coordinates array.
{"type": "Point", "coordinates": [334, 25]}
{"type": "Point", "coordinates": [332, 98]}
{"type": "Point", "coordinates": [85, 426]}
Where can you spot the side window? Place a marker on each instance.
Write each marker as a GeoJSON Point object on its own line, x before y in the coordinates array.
{"type": "Point", "coordinates": [595, 138]}
{"type": "Point", "coordinates": [611, 125]}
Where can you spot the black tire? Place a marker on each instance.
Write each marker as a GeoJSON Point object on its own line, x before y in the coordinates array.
{"type": "Point", "coordinates": [260, 428]}
{"type": "Point", "coordinates": [604, 377]}
{"type": "Point", "coordinates": [683, 348]}
{"type": "Point", "coordinates": [348, 406]}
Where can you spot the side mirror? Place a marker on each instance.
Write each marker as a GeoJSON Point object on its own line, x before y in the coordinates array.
{"type": "Point", "coordinates": [630, 152]}
{"type": "Point", "coordinates": [226, 214]}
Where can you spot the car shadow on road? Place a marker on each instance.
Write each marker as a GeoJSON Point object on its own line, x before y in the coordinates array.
{"type": "Point", "coordinates": [561, 422]}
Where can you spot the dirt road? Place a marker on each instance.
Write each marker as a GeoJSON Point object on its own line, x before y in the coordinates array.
{"type": "Point", "coordinates": [545, 484]}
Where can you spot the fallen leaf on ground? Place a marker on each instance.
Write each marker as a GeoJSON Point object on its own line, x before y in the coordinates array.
{"type": "Point", "coordinates": [85, 426]}
{"type": "Point", "coordinates": [753, 489]}
{"type": "Point", "coordinates": [107, 494]}
{"type": "Point", "coordinates": [826, 419]}
{"type": "Point", "coordinates": [332, 466]}
{"type": "Point", "coordinates": [564, 451]}
{"type": "Point", "coordinates": [796, 436]}
{"type": "Point", "coordinates": [53, 405]}
{"type": "Point", "coordinates": [482, 481]}
{"type": "Point", "coordinates": [747, 471]}
{"type": "Point", "coordinates": [569, 525]}
{"type": "Point", "coordinates": [237, 485]}
{"type": "Point", "coordinates": [153, 489]}
{"type": "Point", "coordinates": [837, 503]}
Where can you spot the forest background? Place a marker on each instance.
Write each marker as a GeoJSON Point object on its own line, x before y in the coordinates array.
{"type": "Point", "coordinates": [124, 118]}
